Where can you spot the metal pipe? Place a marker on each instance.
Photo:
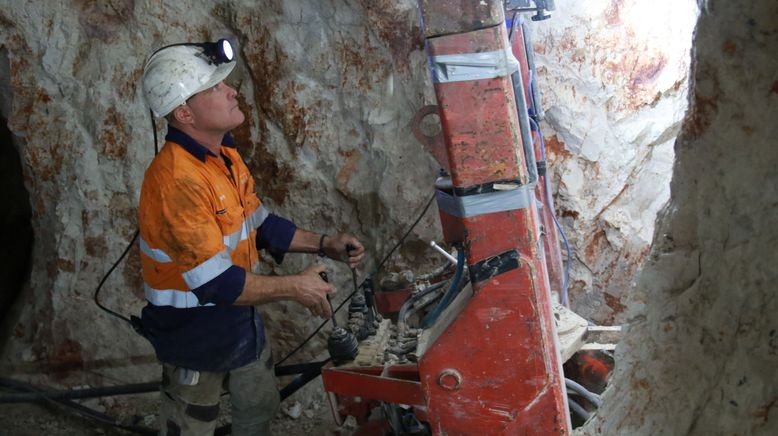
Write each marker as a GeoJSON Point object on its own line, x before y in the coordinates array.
{"type": "Point", "coordinates": [445, 253]}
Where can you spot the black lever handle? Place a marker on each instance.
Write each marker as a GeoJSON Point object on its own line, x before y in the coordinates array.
{"type": "Point", "coordinates": [324, 277]}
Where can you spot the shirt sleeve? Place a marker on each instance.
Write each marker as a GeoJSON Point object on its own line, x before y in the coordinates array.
{"type": "Point", "coordinates": [275, 235]}
{"type": "Point", "coordinates": [224, 288]}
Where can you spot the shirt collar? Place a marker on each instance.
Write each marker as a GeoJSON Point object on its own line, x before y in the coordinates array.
{"type": "Point", "coordinates": [193, 147]}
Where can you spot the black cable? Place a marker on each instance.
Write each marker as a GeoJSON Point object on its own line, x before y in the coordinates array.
{"type": "Point", "coordinates": [108, 274]}
{"type": "Point", "coordinates": [60, 398]}
{"type": "Point", "coordinates": [378, 268]}
{"type": "Point", "coordinates": [76, 408]}
{"type": "Point", "coordinates": [126, 250]}
{"type": "Point", "coordinates": [380, 265]}
{"type": "Point", "coordinates": [305, 341]}
{"type": "Point", "coordinates": [513, 26]}
{"type": "Point", "coordinates": [154, 131]}
{"type": "Point", "coordinates": [73, 394]}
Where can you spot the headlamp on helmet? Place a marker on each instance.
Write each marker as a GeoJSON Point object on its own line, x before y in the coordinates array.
{"type": "Point", "coordinates": [219, 52]}
{"type": "Point", "coordinates": [176, 72]}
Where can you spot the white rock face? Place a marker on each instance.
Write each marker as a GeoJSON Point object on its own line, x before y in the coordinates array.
{"type": "Point", "coordinates": [613, 77]}
{"type": "Point", "coordinates": [700, 358]}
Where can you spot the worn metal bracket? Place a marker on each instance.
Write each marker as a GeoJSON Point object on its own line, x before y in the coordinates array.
{"type": "Point", "coordinates": [494, 266]}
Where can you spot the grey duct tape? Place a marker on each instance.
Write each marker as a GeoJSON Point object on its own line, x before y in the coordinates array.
{"type": "Point", "coordinates": [481, 204]}
{"type": "Point", "coordinates": [473, 66]}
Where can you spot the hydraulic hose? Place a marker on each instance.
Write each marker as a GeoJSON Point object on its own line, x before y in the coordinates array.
{"type": "Point", "coordinates": [32, 394]}
{"type": "Point", "coordinates": [73, 394]}
{"type": "Point", "coordinates": [378, 268]}
{"type": "Point", "coordinates": [302, 379]}
{"type": "Point", "coordinates": [526, 138]}
{"type": "Point", "coordinates": [534, 89]}
{"type": "Point", "coordinates": [529, 152]}
{"type": "Point", "coordinates": [77, 409]}
{"type": "Point", "coordinates": [578, 409]}
{"type": "Point", "coordinates": [406, 311]}
{"type": "Point", "coordinates": [436, 274]}
{"type": "Point", "coordinates": [452, 291]}
{"type": "Point", "coordinates": [521, 112]}
{"type": "Point", "coordinates": [582, 391]}
{"type": "Point", "coordinates": [549, 203]}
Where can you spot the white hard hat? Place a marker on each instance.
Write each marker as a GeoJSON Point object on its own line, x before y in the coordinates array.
{"type": "Point", "coordinates": [175, 73]}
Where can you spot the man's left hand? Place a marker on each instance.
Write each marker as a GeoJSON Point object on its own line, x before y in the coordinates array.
{"type": "Point", "coordinates": [345, 248]}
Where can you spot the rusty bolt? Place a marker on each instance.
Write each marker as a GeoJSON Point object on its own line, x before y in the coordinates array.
{"type": "Point", "coordinates": [450, 379]}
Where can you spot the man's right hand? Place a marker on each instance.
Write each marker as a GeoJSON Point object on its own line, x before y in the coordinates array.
{"type": "Point", "coordinates": [307, 288]}
{"type": "Point", "coordinates": [312, 291]}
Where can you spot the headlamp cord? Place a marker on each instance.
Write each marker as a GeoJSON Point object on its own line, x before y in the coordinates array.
{"type": "Point", "coordinates": [133, 320]}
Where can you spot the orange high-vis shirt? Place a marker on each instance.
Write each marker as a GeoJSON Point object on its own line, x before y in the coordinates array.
{"type": "Point", "coordinates": [196, 220]}
{"type": "Point", "coordinates": [201, 225]}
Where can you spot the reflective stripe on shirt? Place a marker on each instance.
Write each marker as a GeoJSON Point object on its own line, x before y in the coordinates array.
{"type": "Point", "coordinates": [172, 297]}
{"type": "Point", "coordinates": [232, 240]}
{"type": "Point", "coordinates": [154, 253]}
{"type": "Point", "coordinates": [257, 217]}
{"type": "Point", "coordinates": [251, 223]}
{"type": "Point", "coordinates": [206, 271]}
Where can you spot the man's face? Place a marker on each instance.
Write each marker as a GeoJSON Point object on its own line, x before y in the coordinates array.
{"type": "Point", "coordinates": [216, 109]}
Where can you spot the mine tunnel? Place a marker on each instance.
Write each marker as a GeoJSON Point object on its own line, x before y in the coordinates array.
{"type": "Point", "coordinates": [17, 235]}
{"type": "Point", "coordinates": [527, 217]}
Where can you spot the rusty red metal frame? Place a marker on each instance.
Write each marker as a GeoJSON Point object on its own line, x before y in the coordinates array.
{"type": "Point", "coordinates": [494, 367]}
{"type": "Point", "coordinates": [394, 384]}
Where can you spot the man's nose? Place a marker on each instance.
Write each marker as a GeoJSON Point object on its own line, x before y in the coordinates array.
{"type": "Point", "coordinates": [232, 92]}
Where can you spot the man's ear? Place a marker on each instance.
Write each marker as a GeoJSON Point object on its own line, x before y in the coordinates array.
{"type": "Point", "coordinates": [183, 114]}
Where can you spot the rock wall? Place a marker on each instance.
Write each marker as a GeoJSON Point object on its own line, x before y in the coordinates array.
{"type": "Point", "coordinates": [700, 358]}
{"type": "Point", "coordinates": [614, 81]}
{"type": "Point", "coordinates": [330, 88]}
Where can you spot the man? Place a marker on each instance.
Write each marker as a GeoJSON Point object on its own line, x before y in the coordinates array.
{"type": "Point", "coordinates": [201, 226]}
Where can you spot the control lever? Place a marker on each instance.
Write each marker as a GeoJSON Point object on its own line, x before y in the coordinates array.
{"type": "Point", "coordinates": [342, 344]}
{"type": "Point", "coordinates": [324, 277]}
{"type": "Point", "coordinates": [349, 249]}
{"type": "Point", "coordinates": [368, 293]}
{"type": "Point", "coordinates": [370, 301]}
